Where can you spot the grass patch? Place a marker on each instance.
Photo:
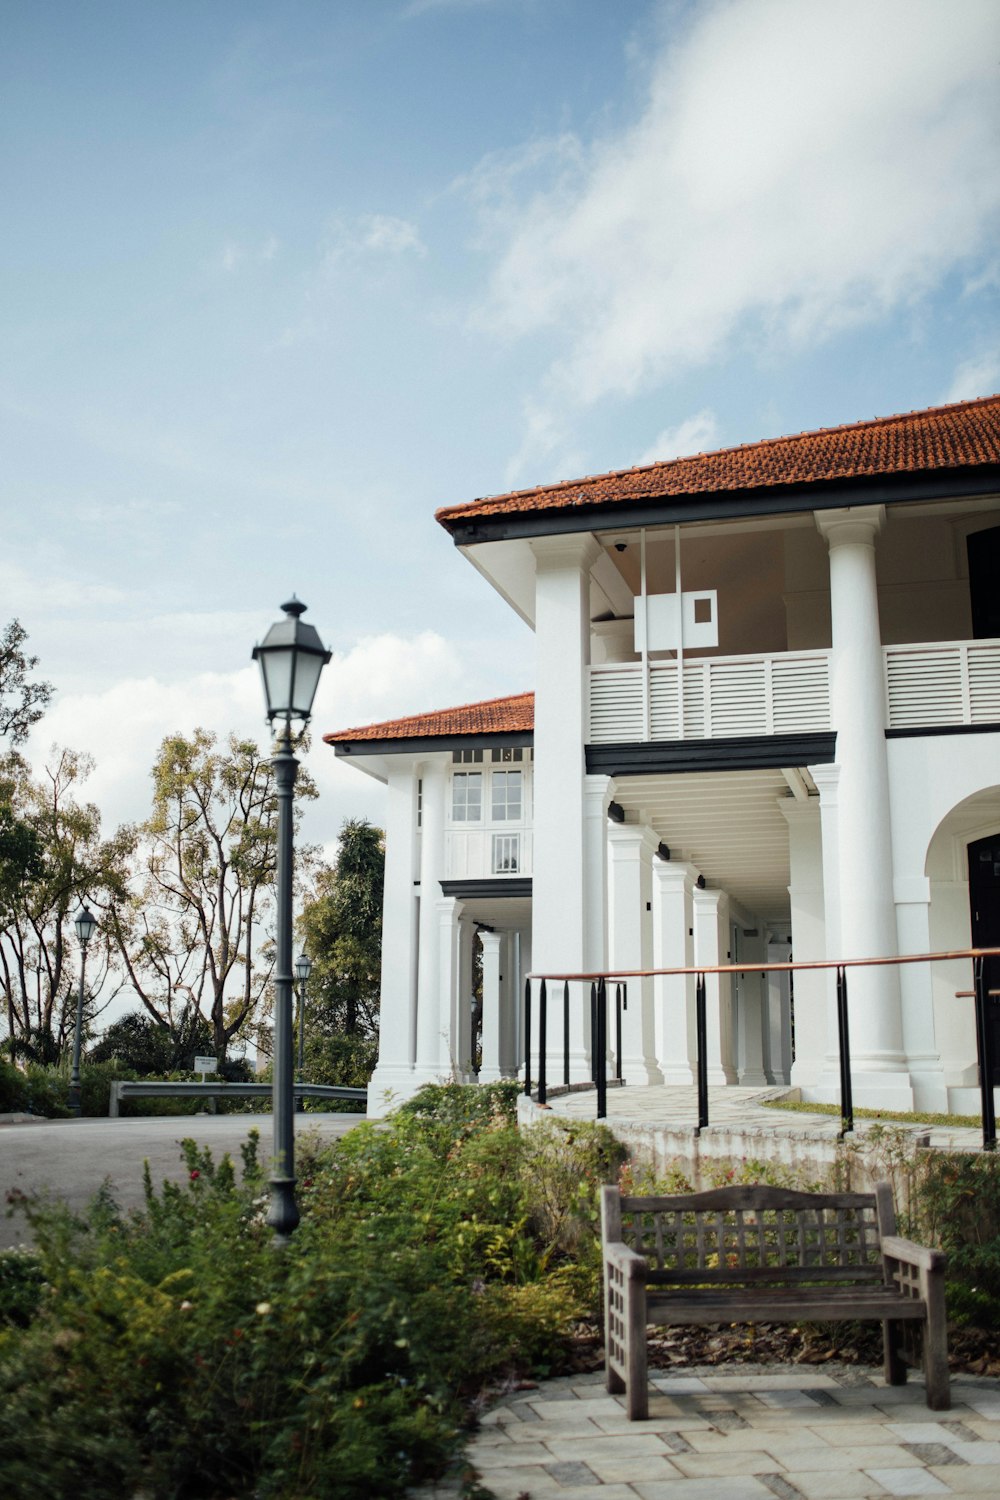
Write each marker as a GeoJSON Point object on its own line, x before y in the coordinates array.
{"type": "Point", "coordinates": [896, 1117]}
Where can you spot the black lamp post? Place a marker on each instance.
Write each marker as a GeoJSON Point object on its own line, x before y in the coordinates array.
{"type": "Point", "coordinates": [85, 923]}
{"type": "Point", "coordinates": [291, 658]}
{"type": "Point", "coordinates": [303, 968]}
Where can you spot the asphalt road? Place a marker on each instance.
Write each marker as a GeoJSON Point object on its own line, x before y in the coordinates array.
{"type": "Point", "coordinates": [70, 1159]}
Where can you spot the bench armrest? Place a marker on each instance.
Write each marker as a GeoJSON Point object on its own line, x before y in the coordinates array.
{"type": "Point", "coordinates": [921, 1256]}
{"type": "Point", "coordinates": [628, 1262]}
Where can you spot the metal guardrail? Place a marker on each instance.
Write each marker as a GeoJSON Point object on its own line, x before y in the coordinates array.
{"type": "Point", "coordinates": [599, 989]}
{"type": "Point", "coordinates": [151, 1088]}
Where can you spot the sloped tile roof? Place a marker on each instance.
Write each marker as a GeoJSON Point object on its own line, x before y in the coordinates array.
{"type": "Point", "coordinates": [514, 715]}
{"type": "Point", "coordinates": [942, 437]}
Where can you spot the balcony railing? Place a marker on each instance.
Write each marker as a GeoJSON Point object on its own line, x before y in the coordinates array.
{"type": "Point", "coordinates": [951, 682]}
{"type": "Point", "coordinates": [724, 696]}
{"type": "Point", "coordinates": [926, 685]}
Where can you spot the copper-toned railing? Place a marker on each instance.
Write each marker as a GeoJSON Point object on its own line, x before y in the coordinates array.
{"type": "Point", "coordinates": [600, 989]}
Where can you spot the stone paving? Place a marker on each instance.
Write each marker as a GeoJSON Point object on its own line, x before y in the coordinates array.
{"type": "Point", "coordinates": [740, 1108]}
{"type": "Point", "coordinates": [755, 1433]}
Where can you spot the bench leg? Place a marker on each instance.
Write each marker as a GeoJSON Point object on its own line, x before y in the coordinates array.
{"type": "Point", "coordinates": [636, 1378]}
{"type": "Point", "coordinates": [936, 1342]}
{"type": "Point", "coordinates": [894, 1367]}
{"type": "Point", "coordinates": [614, 1328]}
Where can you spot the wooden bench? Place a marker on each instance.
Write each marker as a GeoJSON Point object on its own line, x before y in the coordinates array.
{"type": "Point", "coordinates": [766, 1255]}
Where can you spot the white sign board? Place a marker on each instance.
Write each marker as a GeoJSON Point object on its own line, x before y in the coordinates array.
{"type": "Point", "coordinates": [690, 620]}
{"type": "Point", "coordinates": [206, 1065]}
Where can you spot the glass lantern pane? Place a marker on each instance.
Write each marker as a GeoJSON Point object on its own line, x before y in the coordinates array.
{"type": "Point", "coordinates": [307, 670]}
{"type": "Point", "coordinates": [276, 667]}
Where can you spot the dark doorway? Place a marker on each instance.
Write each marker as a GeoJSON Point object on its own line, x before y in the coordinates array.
{"type": "Point", "coordinates": [984, 900]}
{"type": "Point", "coordinates": [984, 582]}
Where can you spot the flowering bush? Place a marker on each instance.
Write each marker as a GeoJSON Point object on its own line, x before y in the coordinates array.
{"type": "Point", "coordinates": [175, 1353]}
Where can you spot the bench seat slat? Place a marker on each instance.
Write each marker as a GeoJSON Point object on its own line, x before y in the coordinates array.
{"type": "Point", "coordinates": [712, 1305]}
{"type": "Point", "coordinates": [769, 1275]}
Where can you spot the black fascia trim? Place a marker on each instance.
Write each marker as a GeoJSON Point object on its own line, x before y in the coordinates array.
{"type": "Point", "coordinates": [727, 505]}
{"type": "Point", "coordinates": [471, 890]}
{"type": "Point", "coordinates": [743, 753]}
{"type": "Point", "coordinates": [434, 742]}
{"type": "Point", "coordinates": [923, 731]}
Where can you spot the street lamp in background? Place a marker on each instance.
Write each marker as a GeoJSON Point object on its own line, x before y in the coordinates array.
{"type": "Point", "coordinates": [303, 968]}
{"type": "Point", "coordinates": [85, 923]}
{"type": "Point", "coordinates": [291, 658]}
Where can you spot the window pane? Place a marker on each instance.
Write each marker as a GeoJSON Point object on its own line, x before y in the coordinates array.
{"type": "Point", "coordinates": [467, 796]}
{"type": "Point", "coordinates": [506, 799]}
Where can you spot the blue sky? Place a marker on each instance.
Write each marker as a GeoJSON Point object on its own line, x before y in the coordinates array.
{"type": "Point", "coordinates": [280, 278]}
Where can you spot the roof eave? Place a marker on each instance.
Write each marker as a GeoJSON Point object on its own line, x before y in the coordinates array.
{"type": "Point", "coordinates": [723, 505]}
{"type": "Point", "coordinates": [414, 744]}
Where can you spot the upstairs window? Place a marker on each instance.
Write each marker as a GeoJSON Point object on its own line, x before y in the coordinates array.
{"type": "Point", "coordinates": [506, 853]}
{"type": "Point", "coordinates": [507, 801]}
{"type": "Point", "coordinates": [466, 757]}
{"type": "Point", "coordinates": [467, 797]}
{"type": "Point", "coordinates": [506, 754]}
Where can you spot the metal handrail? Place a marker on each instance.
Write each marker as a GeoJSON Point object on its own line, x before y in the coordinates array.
{"type": "Point", "coordinates": [599, 981]}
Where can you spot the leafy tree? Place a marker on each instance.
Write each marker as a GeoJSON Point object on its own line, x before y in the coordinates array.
{"type": "Point", "coordinates": [22, 703]}
{"type": "Point", "coordinates": [59, 862]}
{"type": "Point", "coordinates": [191, 924]}
{"type": "Point", "coordinates": [149, 1047]}
{"type": "Point", "coordinates": [342, 930]}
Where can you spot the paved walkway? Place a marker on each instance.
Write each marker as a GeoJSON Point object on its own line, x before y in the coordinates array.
{"type": "Point", "coordinates": [740, 1108]}
{"type": "Point", "coordinates": [754, 1433]}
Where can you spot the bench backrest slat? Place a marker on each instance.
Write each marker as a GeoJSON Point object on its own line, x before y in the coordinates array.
{"type": "Point", "coordinates": [755, 1234]}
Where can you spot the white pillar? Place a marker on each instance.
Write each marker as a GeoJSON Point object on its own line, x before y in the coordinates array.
{"type": "Point", "coordinates": [711, 946]}
{"type": "Point", "coordinates": [431, 1050]}
{"type": "Point", "coordinates": [779, 1012]}
{"type": "Point", "coordinates": [567, 888]}
{"type": "Point", "coordinates": [490, 1070]}
{"type": "Point", "coordinates": [673, 948]}
{"type": "Point", "coordinates": [462, 1026]}
{"type": "Point", "coordinates": [450, 924]}
{"type": "Point", "coordinates": [923, 1058]}
{"type": "Point", "coordinates": [867, 913]}
{"type": "Point", "coordinates": [630, 942]}
{"type": "Point", "coordinates": [508, 1004]}
{"type": "Point", "coordinates": [392, 1079]}
{"type": "Point", "coordinates": [751, 1011]}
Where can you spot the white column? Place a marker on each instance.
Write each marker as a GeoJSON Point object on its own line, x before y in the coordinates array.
{"type": "Point", "coordinates": [566, 887]}
{"type": "Point", "coordinates": [430, 1043]}
{"type": "Point", "coordinates": [524, 968]}
{"type": "Point", "coordinates": [867, 913]}
{"type": "Point", "coordinates": [462, 1026]}
{"type": "Point", "coordinates": [393, 1076]}
{"type": "Point", "coordinates": [751, 1013]}
{"type": "Point", "coordinates": [673, 948]}
{"type": "Point", "coordinates": [490, 1070]}
{"type": "Point", "coordinates": [508, 1004]}
{"type": "Point", "coordinates": [711, 946]}
{"type": "Point", "coordinates": [630, 942]}
{"type": "Point", "coordinates": [597, 793]}
{"type": "Point", "coordinates": [779, 1012]}
{"type": "Point", "coordinates": [923, 1058]}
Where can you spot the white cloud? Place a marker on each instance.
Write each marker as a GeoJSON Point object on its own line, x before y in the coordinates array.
{"type": "Point", "coordinates": [976, 377]}
{"type": "Point", "coordinates": [123, 726]}
{"type": "Point", "coordinates": [697, 434]}
{"type": "Point", "coordinates": [373, 234]}
{"type": "Point", "coordinates": [794, 170]}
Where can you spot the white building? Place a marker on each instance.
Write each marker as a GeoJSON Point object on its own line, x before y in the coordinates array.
{"type": "Point", "coordinates": [766, 721]}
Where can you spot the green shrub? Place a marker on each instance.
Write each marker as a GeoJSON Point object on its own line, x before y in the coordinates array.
{"type": "Point", "coordinates": [191, 1359]}
{"type": "Point", "coordinates": [21, 1283]}
{"type": "Point", "coordinates": [13, 1089]}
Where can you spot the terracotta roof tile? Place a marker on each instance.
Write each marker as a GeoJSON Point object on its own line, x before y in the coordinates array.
{"type": "Point", "coordinates": [496, 716]}
{"type": "Point", "coordinates": [943, 437]}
